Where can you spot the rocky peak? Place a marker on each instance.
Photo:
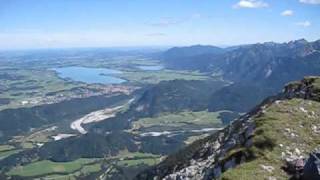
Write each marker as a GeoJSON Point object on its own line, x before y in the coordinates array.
{"type": "Point", "coordinates": [298, 42]}
{"type": "Point", "coordinates": [316, 45]}
{"type": "Point", "coordinates": [308, 88]}
{"type": "Point", "coordinates": [301, 47]}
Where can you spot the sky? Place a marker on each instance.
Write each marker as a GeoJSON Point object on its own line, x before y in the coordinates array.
{"type": "Point", "coordinates": [29, 24]}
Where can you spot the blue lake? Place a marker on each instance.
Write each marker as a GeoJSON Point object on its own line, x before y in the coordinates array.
{"type": "Point", "coordinates": [90, 75]}
{"type": "Point", "coordinates": [151, 68]}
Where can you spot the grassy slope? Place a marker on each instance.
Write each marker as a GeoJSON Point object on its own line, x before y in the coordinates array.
{"type": "Point", "coordinates": [4, 154]}
{"type": "Point", "coordinates": [6, 148]}
{"type": "Point", "coordinates": [84, 170]}
{"type": "Point", "coordinates": [273, 125]}
{"type": "Point", "coordinates": [179, 119]}
{"type": "Point", "coordinates": [154, 77]}
{"type": "Point", "coordinates": [48, 167]}
{"type": "Point", "coordinates": [71, 170]}
{"type": "Point", "coordinates": [126, 165]}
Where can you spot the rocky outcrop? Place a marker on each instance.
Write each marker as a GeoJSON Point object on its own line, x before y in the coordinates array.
{"type": "Point", "coordinates": [312, 166]}
{"type": "Point", "coordinates": [308, 88]}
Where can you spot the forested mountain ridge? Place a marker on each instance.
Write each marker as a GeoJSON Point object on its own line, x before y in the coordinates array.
{"type": "Point", "coordinates": [268, 63]}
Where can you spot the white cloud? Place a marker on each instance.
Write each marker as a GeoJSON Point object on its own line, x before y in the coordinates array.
{"type": "Point", "coordinates": [287, 13]}
{"type": "Point", "coordinates": [251, 4]}
{"type": "Point", "coordinates": [304, 23]}
{"type": "Point", "coordinates": [310, 1]}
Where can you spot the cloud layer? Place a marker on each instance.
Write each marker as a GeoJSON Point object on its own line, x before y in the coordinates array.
{"type": "Point", "coordinates": [251, 4]}
{"type": "Point", "coordinates": [304, 23]}
{"type": "Point", "coordinates": [310, 1]}
{"type": "Point", "coordinates": [287, 13]}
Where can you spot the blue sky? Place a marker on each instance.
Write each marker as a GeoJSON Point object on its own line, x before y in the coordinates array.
{"type": "Point", "coordinates": [113, 23]}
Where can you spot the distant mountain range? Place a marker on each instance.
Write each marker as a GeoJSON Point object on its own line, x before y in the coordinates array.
{"type": "Point", "coordinates": [268, 63]}
{"type": "Point", "coordinates": [261, 69]}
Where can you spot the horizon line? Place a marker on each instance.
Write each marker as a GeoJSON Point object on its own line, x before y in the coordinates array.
{"type": "Point", "coordinates": [140, 47]}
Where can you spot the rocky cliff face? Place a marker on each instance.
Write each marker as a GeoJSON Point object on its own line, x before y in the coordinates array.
{"type": "Point", "coordinates": [280, 131]}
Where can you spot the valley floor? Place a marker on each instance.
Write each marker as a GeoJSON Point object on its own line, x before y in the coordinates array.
{"type": "Point", "coordinates": [27, 88]}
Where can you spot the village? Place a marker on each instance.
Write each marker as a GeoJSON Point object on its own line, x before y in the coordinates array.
{"type": "Point", "coordinates": [79, 92]}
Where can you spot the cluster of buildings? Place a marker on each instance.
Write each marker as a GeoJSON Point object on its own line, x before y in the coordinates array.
{"type": "Point", "coordinates": [79, 92]}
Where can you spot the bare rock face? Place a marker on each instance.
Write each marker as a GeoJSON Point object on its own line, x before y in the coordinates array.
{"type": "Point", "coordinates": [312, 167]}
{"type": "Point", "coordinates": [308, 88]}
{"type": "Point", "coordinates": [267, 168]}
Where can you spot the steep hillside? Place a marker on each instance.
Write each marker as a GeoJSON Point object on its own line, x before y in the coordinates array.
{"type": "Point", "coordinates": [236, 98]}
{"type": "Point", "coordinates": [188, 57]}
{"type": "Point", "coordinates": [261, 144]}
{"type": "Point", "coordinates": [177, 95]}
{"type": "Point", "coordinates": [192, 51]}
{"type": "Point", "coordinates": [271, 63]}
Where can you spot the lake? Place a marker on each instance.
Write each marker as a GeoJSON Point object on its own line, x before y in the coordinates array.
{"type": "Point", "coordinates": [90, 75]}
